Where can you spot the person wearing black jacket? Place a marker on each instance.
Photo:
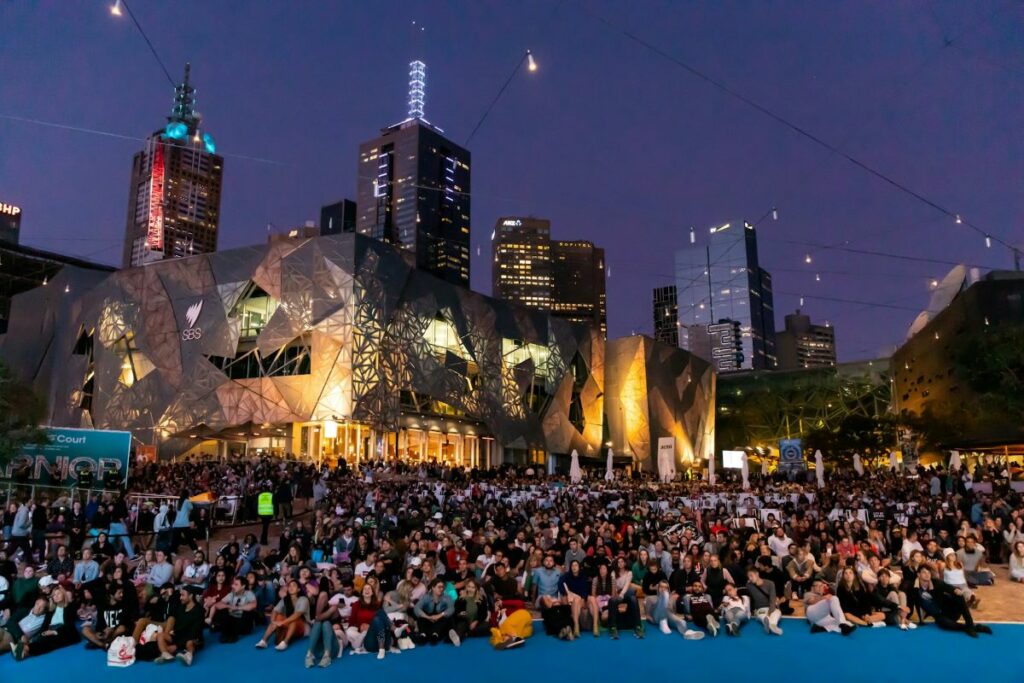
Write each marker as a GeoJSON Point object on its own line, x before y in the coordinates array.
{"type": "Point", "coordinates": [58, 628]}
{"type": "Point", "coordinates": [858, 606]}
{"type": "Point", "coordinates": [945, 604]}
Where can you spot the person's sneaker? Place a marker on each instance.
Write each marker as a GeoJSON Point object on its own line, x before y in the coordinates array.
{"type": "Point", "coordinates": [983, 628]}
{"type": "Point", "coordinates": [911, 625]}
{"type": "Point", "coordinates": [973, 633]}
{"type": "Point", "coordinates": [325, 661]}
{"type": "Point", "coordinates": [185, 658]}
{"type": "Point", "coordinates": [394, 650]}
{"type": "Point", "coordinates": [576, 630]}
{"type": "Point", "coordinates": [774, 628]}
{"type": "Point", "coordinates": [454, 637]}
{"type": "Point", "coordinates": [262, 644]}
{"type": "Point", "coordinates": [663, 625]}
{"type": "Point", "coordinates": [380, 653]}
{"type": "Point", "coordinates": [713, 627]}
{"type": "Point", "coordinates": [690, 634]}
{"type": "Point", "coordinates": [164, 658]}
{"type": "Point", "coordinates": [18, 650]}
{"type": "Point", "coordinates": [767, 626]}
{"type": "Point", "coordinates": [817, 629]}
{"type": "Point", "coordinates": [878, 624]}
{"type": "Point", "coordinates": [731, 630]}
{"type": "Point", "coordinates": [310, 660]}
{"type": "Point", "coordinates": [614, 633]}
{"type": "Point", "coordinates": [847, 629]}
{"type": "Point", "coordinates": [515, 642]}
{"type": "Point", "coordinates": [639, 631]}
{"type": "Point", "coordinates": [281, 646]}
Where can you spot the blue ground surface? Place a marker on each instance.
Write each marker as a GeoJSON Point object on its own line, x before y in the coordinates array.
{"type": "Point", "coordinates": [875, 655]}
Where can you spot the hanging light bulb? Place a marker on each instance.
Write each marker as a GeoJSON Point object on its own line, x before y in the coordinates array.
{"type": "Point", "coordinates": [988, 241]}
{"type": "Point", "coordinates": [115, 9]}
{"type": "Point", "coordinates": [693, 236]}
{"type": "Point", "coordinates": [46, 281]}
{"type": "Point", "coordinates": [958, 219]}
{"type": "Point", "coordinates": [801, 301]}
{"type": "Point", "coordinates": [775, 214]}
{"type": "Point", "coordinates": [807, 258]}
{"type": "Point", "coordinates": [67, 288]}
{"type": "Point", "coordinates": [817, 277]}
{"type": "Point", "coordinates": [531, 63]}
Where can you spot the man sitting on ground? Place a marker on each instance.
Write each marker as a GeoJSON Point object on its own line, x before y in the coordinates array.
{"type": "Point", "coordinates": [183, 632]}
{"type": "Point", "coordinates": [824, 611]}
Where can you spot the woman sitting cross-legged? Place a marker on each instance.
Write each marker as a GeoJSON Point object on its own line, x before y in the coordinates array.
{"type": "Point", "coordinates": [289, 618]}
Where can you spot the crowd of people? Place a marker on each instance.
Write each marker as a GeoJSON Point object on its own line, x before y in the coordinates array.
{"type": "Point", "coordinates": [385, 559]}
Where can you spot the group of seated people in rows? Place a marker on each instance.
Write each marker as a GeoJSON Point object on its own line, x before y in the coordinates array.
{"type": "Point", "coordinates": [385, 566]}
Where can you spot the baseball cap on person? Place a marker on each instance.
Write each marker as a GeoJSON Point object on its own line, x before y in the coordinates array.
{"type": "Point", "coordinates": [47, 581]}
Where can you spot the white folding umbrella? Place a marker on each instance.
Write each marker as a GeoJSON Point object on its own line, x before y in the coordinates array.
{"type": "Point", "coordinates": [858, 466]}
{"type": "Point", "coordinates": [575, 474]}
{"type": "Point", "coordinates": [711, 469]}
{"type": "Point", "coordinates": [609, 471]}
{"type": "Point", "coordinates": [954, 461]}
{"type": "Point", "coordinates": [893, 464]}
{"type": "Point", "coordinates": [745, 472]}
{"type": "Point", "coordinates": [764, 466]}
{"type": "Point", "coordinates": [819, 469]}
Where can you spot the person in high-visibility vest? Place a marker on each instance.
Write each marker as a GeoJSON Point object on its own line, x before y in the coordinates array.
{"type": "Point", "coordinates": [265, 510]}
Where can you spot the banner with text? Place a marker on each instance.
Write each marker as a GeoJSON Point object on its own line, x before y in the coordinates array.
{"type": "Point", "coordinates": [70, 451]}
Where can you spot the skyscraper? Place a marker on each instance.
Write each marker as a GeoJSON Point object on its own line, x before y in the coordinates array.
{"type": "Point", "coordinates": [565, 277]}
{"type": "Point", "coordinates": [521, 270]}
{"type": "Point", "coordinates": [414, 190]}
{"type": "Point", "coordinates": [805, 345]}
{"type": "Point", "coordinates": [174, 197]}
{"type": "Point", "coordinates": [666, 315]}
{"type": "Point", "coordinates": [338, 217]}
{"type": "Point", "coordinates": [578, 270]}
{"type": "Point", "coordinates": [10, 223]}
{"type": "Point", "coordinates": [720, 281]}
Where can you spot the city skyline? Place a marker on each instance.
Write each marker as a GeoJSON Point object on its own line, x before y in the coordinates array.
{"type": "Point", "coordinates": [308, 113]}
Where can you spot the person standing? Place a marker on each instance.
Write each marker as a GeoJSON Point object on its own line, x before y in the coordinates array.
{"type": "Point", "coordinates": [265, 510]}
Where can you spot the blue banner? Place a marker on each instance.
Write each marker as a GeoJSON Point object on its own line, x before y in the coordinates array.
{"type": "Point", "coordinates": [58, 462]}
{"type": "Point", "coordinates": [791, 454]}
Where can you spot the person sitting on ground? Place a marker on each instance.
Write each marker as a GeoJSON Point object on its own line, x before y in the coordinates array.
{"type": "Point", "coordinates": [574, 587]}
{"type": "Point", "coordinates": [972, 557]}
{"type": "Point", "coordinates": [545, 578]}
{"type": "Point", "coordinates": [434, 615]}
{"type": "Point", "coordinates": [623, 595]}
{"type": "Point", "coordinates": [16, 635]}
{"type": "Point", "coordinates": [182, 635]}
{"type": "Point", "coordinates": [763, 601]}
{"type": "Point", "coordinates": [887, 597]}
{"type": "Point", "coordinates": [87, 570]}
{"type": "Point", "coordinates": [1017, 562]}
{"type": "Point", "coordinates": [369, 628]}
{"type": "Point", "coordinates": [160, 572]}
{"type": "Point", "coordinates": [196, 572]}
{"type": "Point", "coordinates": [824, 612]}
{"type": "Point", "coordinates": [61, 566]}
{"type": "Point", "coordinates": [112, 620]}
{"type": "Point", "coordinates": [945, 604]}
{"type": "Point", "coordinates": [472, 616]}
{"type": "Point", "coordinates": [735, 610]}
{"type": "Point", "coordinates": [234, 615]}
{"type": "Point", "coordinates": [857, 603]}
{"type": "Point", "coordinates": [321, 633]}
{"type": "Point", "coordinates": [58, 628]}
{"type": "Point", "coordinates": [219, 587]}
{"type": "Point", "coordinates": [700, 609]}
{"type": "Point", "coordinates": [289, 618]}
{"type": "Point", "coordinates": [801, 571]}
{"type": "Point", "coordinates": [953, 574]}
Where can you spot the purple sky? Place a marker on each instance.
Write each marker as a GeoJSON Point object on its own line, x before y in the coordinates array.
{"type": "Point", "coordinates": [608, 140]}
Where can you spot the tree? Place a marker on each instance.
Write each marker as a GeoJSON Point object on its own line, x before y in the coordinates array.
{"type": "Point", "coordinates": [21, 411]}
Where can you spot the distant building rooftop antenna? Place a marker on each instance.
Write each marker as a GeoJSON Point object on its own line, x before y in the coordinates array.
{"type": "Point", "coordinates": [417, 88]}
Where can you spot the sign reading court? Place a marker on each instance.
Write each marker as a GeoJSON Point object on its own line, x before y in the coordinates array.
{"type": "Point", "coordinates": [58, 462]}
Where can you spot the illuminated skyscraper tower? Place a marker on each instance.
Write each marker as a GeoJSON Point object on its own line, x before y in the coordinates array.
{"type": "Point", "coordinates": [174, 198]}
{"type": "Point", "coordinates": [413, 189]}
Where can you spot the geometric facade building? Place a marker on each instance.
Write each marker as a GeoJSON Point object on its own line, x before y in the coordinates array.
{"type": "Point", "coordinates": [656, 391]}
{"type": "Point", "coordinates": [174, 196]}
{"type": "Point", "coordinates": [327, 347]}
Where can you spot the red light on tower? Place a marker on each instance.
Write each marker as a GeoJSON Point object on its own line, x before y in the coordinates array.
{"type": "Point", "coordinates": [155, 235]}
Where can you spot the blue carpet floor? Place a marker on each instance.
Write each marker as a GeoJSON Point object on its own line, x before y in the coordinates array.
{"type": "Point", "coordinates": [874, 655]}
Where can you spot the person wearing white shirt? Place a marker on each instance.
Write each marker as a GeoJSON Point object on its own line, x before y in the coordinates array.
{"type": "Point", "coordinates": [910, 544]}
{"type": "Point", "coordinates": [779, 542]}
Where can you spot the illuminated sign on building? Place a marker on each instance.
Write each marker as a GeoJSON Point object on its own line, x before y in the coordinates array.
{"type": "Point", "coordinates": [10, 209]}
{"type": "Point", "coordinates": [155, 235]}
{"type": "Point", "coordinates": [10, 222]}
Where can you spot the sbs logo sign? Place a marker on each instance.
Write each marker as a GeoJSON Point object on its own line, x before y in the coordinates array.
{"type": "Point", "coordinates": [192, 332]}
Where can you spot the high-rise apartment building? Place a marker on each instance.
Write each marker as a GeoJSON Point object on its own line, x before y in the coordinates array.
{"type": "Point", "coordinates": [565, 277]}
{"type": "Point", "coordinates": [666, 315]}
{"type": "Point", "coordinates": [338, 217]}
{"type": "Point", "coordinates": [414, 190]}
{"type": "Point", "coordinates": [522, 270]}
{"type": "Point", "coordinates": [720, 280]}
{"type": "Point", "coordinates": [174, 197]}
{"type": "Point", "coordinates": [803, 344]}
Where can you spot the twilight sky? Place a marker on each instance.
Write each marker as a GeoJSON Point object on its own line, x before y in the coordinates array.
{"type": "Point", "coordinates": [610, 141]}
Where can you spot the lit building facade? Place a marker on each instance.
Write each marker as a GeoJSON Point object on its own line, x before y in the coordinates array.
{"type": "Point", "coordinates": [579, 283]}
{"type": "Point", "coordinates": [414, 190]}
{"type": "Point", "coordinates": [721, 280]}
{"type": "Point", "coordinates": [10, 223]}
{"type": "Point", "coordinates": [666, 315]}
{"type": "Point", "coordinates": [803, 344]}
{"type": "Point", "coordinates": [174, 197]}
{"type": "Point", "coordinates": [331, 348]}
{"type": "Point", "coordinates": [521, 270]}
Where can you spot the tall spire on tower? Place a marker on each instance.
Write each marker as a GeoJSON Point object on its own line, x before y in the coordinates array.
{"type": "Point", "coordinates": [185, 103]}
{"type": "Point", "coordinates": [417, 88]}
